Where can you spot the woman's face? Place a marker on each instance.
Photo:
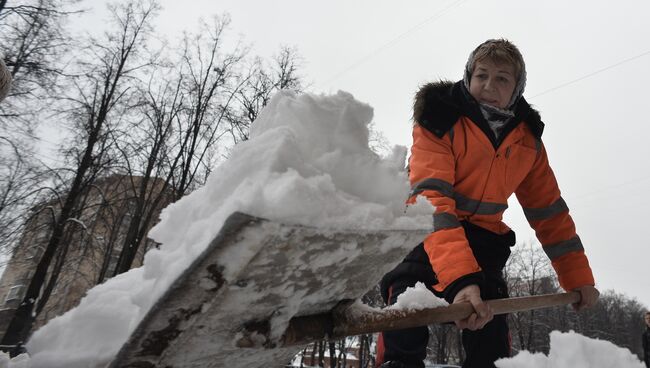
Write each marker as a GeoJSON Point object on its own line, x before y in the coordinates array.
{"type": "Point", "coordinates": [493, 84]}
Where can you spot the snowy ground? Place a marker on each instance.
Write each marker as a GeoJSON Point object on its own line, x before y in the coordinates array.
{"type": "Point", "coordinates": [572, 350]}
{"type": "Point", "coordinates": [307, 162]}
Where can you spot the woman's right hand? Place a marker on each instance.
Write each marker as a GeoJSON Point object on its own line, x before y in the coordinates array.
{"type": "Point", "coordinates": [482, 311]}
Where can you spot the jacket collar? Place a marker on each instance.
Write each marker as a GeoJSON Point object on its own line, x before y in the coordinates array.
{"type": "Point", "coordinates": [438, 105]}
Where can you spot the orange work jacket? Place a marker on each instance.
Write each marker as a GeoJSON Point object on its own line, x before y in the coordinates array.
{"type": "Point", "coordinates": [468, 174]}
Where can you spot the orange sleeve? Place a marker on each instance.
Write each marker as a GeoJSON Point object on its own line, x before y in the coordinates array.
{"type": "Point", "coordinates": [548, 215]}
{"type": "Point", "coordinates": [432, 173]}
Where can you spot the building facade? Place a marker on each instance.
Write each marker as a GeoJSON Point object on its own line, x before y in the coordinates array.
{"type": "Point", "coordinates": [91, 246]}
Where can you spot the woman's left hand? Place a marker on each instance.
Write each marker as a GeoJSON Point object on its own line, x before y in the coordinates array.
{"type": "Point", "coordinates": [588, 297]}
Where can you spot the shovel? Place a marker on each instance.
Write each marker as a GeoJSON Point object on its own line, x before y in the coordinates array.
{"type": "Point", "coordinates": [349, 319]}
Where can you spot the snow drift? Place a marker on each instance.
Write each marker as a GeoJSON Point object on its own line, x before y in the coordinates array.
{"type": "Point", "coordinates": [572, 350]}
{"type": "Point", "coordinates": [307, 162]}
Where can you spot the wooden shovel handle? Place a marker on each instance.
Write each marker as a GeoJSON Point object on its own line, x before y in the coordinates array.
{"type": "Point", "coordinates": [503, 306]}
{"type": "Point", "coordinates": [345, 320]}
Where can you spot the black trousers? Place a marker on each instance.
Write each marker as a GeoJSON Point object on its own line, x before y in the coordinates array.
{"type": "Point", "coordinates": [482, 347]}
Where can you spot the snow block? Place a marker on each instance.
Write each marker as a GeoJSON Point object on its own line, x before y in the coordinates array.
{"type": "Point", "coordinates": [292, 270]}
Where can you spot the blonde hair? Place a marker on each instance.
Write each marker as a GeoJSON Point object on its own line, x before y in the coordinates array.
{"type": "Point", "coordinates": [500, 51]}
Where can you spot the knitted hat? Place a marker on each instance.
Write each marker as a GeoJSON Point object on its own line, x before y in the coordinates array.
{"type": "Point", "coordinates": [512, 51]}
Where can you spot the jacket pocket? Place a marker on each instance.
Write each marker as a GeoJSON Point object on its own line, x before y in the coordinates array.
{"type": "Point", "coordinates": [519, 162]}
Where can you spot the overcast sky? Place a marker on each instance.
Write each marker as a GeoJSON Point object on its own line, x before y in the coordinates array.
{"type": "Point", "coordinates": [588, 68]}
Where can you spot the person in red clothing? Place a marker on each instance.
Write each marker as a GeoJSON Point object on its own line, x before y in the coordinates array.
{"type": "Point", "coordinates": [475, 143]}
{"type": "Point", "coordinates": [645, 340]}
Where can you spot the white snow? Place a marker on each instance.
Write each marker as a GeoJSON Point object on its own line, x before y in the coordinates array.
{"type": "Point", "coordinates": [572, 350]}
{"type": "Point", "coordinates": [417, 297]}
{"type": "Point", "coordinates": [21, 361]}
{"type": "Point", "coordinates": [307, 162]}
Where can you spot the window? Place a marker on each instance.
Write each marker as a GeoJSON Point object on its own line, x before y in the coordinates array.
{"type": "Point", "coordinates": [115, 257]}
{"type": "Point", "coordinates": [15, 293]}
{"type": "Point", "coordinates": [35, 252]}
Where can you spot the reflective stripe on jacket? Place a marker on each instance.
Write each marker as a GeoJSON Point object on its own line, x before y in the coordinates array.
{"type": "Point", "coordinates": [469, 174]}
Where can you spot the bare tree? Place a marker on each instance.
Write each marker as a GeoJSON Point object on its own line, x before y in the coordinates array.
{"type": "Point", "coordinates": [366, 357]}
{"type": "Point", "coordinates": [144, 154]}
{"type": "Point", "coordinates": [18, 175]}
{"type": "Point", "coordinates": [528, 272]}
{"type": "Point", "coordinates": [615, 318]}
{"type": "Point", "coordinates": [33, 38]}
{"type": "Point", "coordinates": [99, 90]}
{"type": "Point", "coordinates": [183, 120]}
{"type": "Point", "coordinates": [260, 85]}
{"type": "Point", "coordinates": [441, 342]}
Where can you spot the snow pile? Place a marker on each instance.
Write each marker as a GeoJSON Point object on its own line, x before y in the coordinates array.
{"type": "Point", "coordinates": [417, 297]}
{"type": "Point", "coordinates": [307, 162]}
{"type": "Point", "coordinates": [21, 361]}
{"type": "Point", "coordinates": [572, 350]}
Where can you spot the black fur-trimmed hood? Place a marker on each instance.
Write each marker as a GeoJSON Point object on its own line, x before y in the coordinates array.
{"type": "Point", "coordinates": [438, 105]}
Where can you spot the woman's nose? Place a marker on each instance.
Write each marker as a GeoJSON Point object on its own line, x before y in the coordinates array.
{"type": "Point", "coordinates": [488, 85]}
